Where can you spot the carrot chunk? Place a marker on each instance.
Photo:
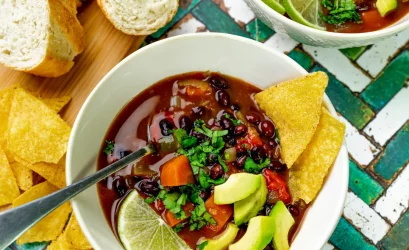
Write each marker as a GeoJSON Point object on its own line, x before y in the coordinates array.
{"type": "Point", "coordinates": [220, 213]}
{"type": "Point", "coordinates": [170, 218]}
{"type": "Point", "coordinates": [176, 172]}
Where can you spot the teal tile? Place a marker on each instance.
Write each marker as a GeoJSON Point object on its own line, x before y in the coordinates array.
{"type": "Point", "coordinates": [395, 156]}
{"type": "Point", "coordinates": [351, 107]}
{"type": "Point", "coordinates": [397, 238]}
{"type": "Point", "coordinates": [301, 58]}
{"type": "Point", "coordinates": [362, 184]}
{"type": "Point", "coordinates": [217, 20]}
{"type": "Point", "coordinates": [258, 30]}
{"type": "Point", "coordinates": [346, 237]}
{"type": "Point", "coordinates": [353, 53]}
{"type": "Point", "coordinates": [389, 82]}
{"type": "Point", "coordinates": [30, 246]}
{"type": "Point", "coordinates": [182, 11]}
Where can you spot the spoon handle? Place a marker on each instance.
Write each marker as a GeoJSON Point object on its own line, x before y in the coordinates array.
{"type": "Point", "coordinates": [14, 222]}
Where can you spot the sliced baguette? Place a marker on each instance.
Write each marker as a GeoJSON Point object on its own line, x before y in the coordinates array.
{"type": "Point", "coordinates": [139, 17]}
{"type": "Point", "coordinates": [40, 37]}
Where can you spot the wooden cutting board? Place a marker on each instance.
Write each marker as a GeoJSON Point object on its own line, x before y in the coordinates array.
{"type": "Point", "coordinates": [104, 48]}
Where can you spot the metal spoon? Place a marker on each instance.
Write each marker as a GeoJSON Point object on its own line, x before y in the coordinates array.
{"type": "Point", "coordinates": [14, 222]}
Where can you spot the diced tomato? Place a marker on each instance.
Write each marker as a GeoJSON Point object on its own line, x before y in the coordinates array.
{"type": "Point", "coordinates": [220, 213]}
{"type": "Point", "coordinates": [252, 139]}
{"type": "Point", "coordinates": [170, 218]}
{"type": "Point", "coordinates": [176, 172]}
{"type": "Point", "coordinates": [276, 183]}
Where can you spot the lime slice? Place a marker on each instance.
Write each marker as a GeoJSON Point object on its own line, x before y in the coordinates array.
{"type": "Point", "coordinates": [139, 227]}
{"type": "Point", "coordinates": [275, 5]}
{"type": "Point", "coordinates": [305, 12]}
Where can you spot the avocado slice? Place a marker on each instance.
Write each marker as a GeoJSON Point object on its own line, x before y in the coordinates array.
{"type": "Point", "coordinates": [258, 235]}
{"type": "Point", "coordinates": [247, 208]}
{"type": "Point", "coordinates": [386, 6]}
{"type": "Point", "coordinates": [236, 188]}
{"type": "Point", "coordinates": [223, 240]}
{"type": "Point", "coordinates": [283, 221]}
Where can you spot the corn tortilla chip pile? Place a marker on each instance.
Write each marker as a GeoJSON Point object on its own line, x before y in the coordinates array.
{"type": "Point", "coordinates": [33, 142]}
{"type": "Point", "coordinates": [310, 138]}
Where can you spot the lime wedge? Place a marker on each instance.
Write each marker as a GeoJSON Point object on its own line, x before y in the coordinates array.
{"type": "Point", "coordinates": [139, 227]}
{"type": "Point", "coordinates": [275, 5]}
{"type": "Point", "coordinates": [305, 12]}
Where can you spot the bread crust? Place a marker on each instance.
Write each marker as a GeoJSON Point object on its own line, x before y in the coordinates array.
{"type": "Point", "coordinates": [133, 32]}
{"type": "Point", "coordinates": [65, 33]}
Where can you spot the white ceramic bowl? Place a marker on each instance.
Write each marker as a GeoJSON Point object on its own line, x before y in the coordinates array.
{"type": "Point", "coordinates": [235, 56]}
{"type": "Point", "coordinates": [314, 37]}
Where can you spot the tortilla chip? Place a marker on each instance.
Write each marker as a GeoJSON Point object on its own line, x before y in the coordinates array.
{"type": "Point", "coordinates": [23, 174]}
{"type": "Point", "coordinates": [57, 104]}
{"type": "Point", "coordinates": [60, 244]}
{"type": "Point", "coordinates": [307, 175]}
{"type": "Point", "coordinates": [74, 235]}
{"type": "Point", "coordinates": [53, 173]}
{"type": "Point", "coordinates": [295, 108]}
{"type": "Point", "coordinates": [35, 132]}
{"type": "Point", "coordinates": [6, 96]}
{"type": "Point", "coordinates": [8, 184]}
{"type": "Point", "coordinates": [50, 226]}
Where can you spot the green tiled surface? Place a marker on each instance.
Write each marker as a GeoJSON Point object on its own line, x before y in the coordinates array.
{"type": "Point", "coordinates": [258, 30]}
{"type": "Point", "coordinates": [353, 53]}
{"type": "Point", "coordinates": [345, 102]}
{"type": "Point", "coordinates": [346, 236]}
{"type": "Point", "coordinates": [363, 185]}
{"type": "Point", "coordinates": [398, 237]}
{"type": "Point", "coordinates": [390, 81]}
{"type": "Point", "coordinates": [395, 155]}
{"type": "Point", "coordinates": [301, 58]}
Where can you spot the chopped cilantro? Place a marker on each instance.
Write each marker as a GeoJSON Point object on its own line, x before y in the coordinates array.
{"type": "Point", "coordinates": [202, 245]}
{"type": "Point", "coordinates": [178, 228]}
{"type": "Point", "coordinates": [278, 137]}
{"type": "Point", "coordinates": [205, 180]}
{"type": "Point", "coordinates": [234, 121]}
{"type": "Point", "coordinates": [199, 217]}
{"type": "Point", "coordinates": [185, 140]}
{"type": "Point", "coordinates": [251, 167]}
{"type": "Point", "coordinates": [222, 163]}
{"type": "Point", "coordinates": [340, 11]}
{"type": "Point", "coordinates": [198, 123]}
{"type": "Point", "coordinates": [150, 199]}
{"type": "Point", "coordinates": [173, 201]}
{"type": "Point", "coordinates": [109, 147]}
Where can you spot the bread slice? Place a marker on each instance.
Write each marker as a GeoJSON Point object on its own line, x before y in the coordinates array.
{"type": "Point", "coordinates": [139, 17]}
{"type": "Point", "coordinates": [40, 37]}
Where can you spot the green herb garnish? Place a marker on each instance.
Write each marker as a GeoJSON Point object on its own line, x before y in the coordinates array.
{"type": "Point", "coordinates": [173, 201]}
{"type": "Point", "coordinates": [340, 11]}
{"type": "Point", "coordinates": [252, 167]}
{"type": "Point", "coordinates": [178, 228]}
{"type": "Point", "coordinates": [205, 180]}
{"type": "Point", "coordinates": [202, 245]}
{"type": "Point", "coordinates": [150, 199]}
{"type": "Point", "coordinates": [222, 163]}
{"type": "Point", "coordinates": [109, 147]}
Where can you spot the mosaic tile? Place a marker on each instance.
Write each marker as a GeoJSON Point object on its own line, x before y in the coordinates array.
{"type": "Point", "coordinates": [365, 218]}
{"type": "Point", "coordinates": [182, 11]}
{"type": "Point", "coordinates": [281, 42]}
{"type": "Point", "coordinates": [377, 57]}
{"type": "Point", "coordinates": [327, 246]}
{"type": "Point", "coordinates": [346, 103]}
{"type": "Point", "coordinates": [301, 58]}
{"type": "Point", "coordinates": [188, 24]}
{"type": "Point", "coordinates": [395, 155]}
{"type": "Point", "coordinates": [353, 53]}
{"type": "Point", "coordinates": [395, 200]}
{"type": "Point", "coordinates": [30, 246]}
{"type": "Point", "coordinates": [239, 11]}
{"type": "Point", "coordinates": [389, 82]}
{"type": "Point", "coordinates": [397, 239]}
{"type": "Point", "coordinates": [391, 118]}
{"type": "Point", "coordinates": [340, 66]}
{"type": "Point", "coordinates": [258, 30]}
{"type": "Point", "coordinates": [346, 237]}
{"type": "Point", "coordinates": [216, 20]}
{"type": "Point", "coordinates": [363, 185]}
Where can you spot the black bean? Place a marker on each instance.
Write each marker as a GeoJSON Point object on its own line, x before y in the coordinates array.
{"type": "Point", "coordinates": [226, 123]}
{"type": "Point", "coordinates": [165, 127]}
{"type": "Point", "coordinates": [272, 143]}
{"type": "Point", "coordinates": [240, 160]}
{"type": "Point", "coordinates": [223, 98]}
{"type": "Point", "coordinates": [120, 186]}
{"type": "Point", "coordinates": [229, 138]}
{"type": "Point", "coordinates": [200, 137]}
{"type": "Point", "coordinates": [253, 117]}
{"type": "Point", "coordinates": [211, 158]}
{"type": "Point", "coordinates": [185, 123]}
{"type": "Point", "coordinates": [235, 107]}
{"type": "Point", "coordinates": [267, 128]}
{"type": "Point", "coordinates": [257, 154]}
{"type": "Point", "coordinates": [216, 171]}
{"type": "Point", "coordinates": [293, 210]}
{"type": "Point", "coordinates": [204, 195]}
{"type": "Point", "coordinates": [277, 166]}
{"type": "Point", "coordinates": [199, 111]}
{"type": "Point", "coordinates": [218, 82]}
{"type": "Point", "coordinates": [240, 130]}
{"type": "Point", "coordinates": [149, 187]}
